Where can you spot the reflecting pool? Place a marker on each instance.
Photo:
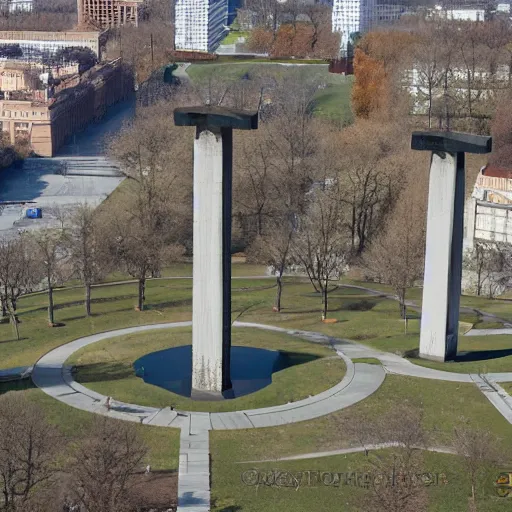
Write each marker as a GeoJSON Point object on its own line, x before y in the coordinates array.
{"type": "Point", "coordinates": [251, 368]}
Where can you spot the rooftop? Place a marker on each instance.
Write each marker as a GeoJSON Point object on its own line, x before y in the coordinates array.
{"type": "Point", "coordinates": [497, 172]}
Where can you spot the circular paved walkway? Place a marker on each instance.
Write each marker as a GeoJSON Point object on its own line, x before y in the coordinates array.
{"type": "Point", "coordinates": [54, 378]}
{"type": "Point", "coordinates": [361, 380]}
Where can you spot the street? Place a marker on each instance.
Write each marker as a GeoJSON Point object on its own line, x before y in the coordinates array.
{"type": "Point", "coordinates": [79, 173]}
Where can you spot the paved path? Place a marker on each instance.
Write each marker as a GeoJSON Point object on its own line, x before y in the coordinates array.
{"type": "Point", "coordinates": [489, 332]}
{"type": "Point", "coordinates": [463, 309]}
{"type": "Point", "coordinates": [360, 381]}
{"type": "Point", "coordinates": [353, 449]}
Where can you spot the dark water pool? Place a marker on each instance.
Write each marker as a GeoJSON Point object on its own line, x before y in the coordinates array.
{"type": "Point", "coordinates": [251, 368]}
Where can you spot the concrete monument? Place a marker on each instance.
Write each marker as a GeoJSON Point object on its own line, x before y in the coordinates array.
{"type": "Point", "coordinates": [211, 295]}
{"type": "Point", "coordinates": [445, 225]}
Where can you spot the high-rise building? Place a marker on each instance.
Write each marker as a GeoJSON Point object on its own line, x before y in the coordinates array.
{"type": "Point", "coordinates": [350, 17]}
{"type": "Point", "coordinates": [200, 24]}
{"type": "Point", "coordinates": [20, 5]}
{"type": "Point", "coordinates": [107, 13]}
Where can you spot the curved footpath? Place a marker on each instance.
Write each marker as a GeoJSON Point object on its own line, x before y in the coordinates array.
{"type": "Point", "coordinates": [361, 380]}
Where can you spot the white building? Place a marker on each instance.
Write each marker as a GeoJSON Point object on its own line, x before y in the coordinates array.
{"type": "Point", "coordinates": [489, 209]}
{"type": "Point", "coordinates": [461, 14]}
{"type": "Point", "coordinates": [350, 16]}
{"type": "Point", "coordinates": [20, 5]}
{"type": "Point", "coordinates": [200, 25]}
{"type": "Point", "coordinates": [487, 222]}
{"type": "Point", "coordinates": [503, 8]}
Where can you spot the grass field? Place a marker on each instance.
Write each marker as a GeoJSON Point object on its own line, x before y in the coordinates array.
{"type": "Point", "coordinates": [106, 367]}
{"type": "Point", "coordinates": [332, 102]}
{"type": "Point", "coordinates": [372, 320]}
{"type": "Point", "coordinates": [369, 319]}
{"type": "Point", "coordinates": [449, 495]}
{"type": "Point", "coordinates": [232, 37]}
{"type": "Point", "coordinates": [443, 404]}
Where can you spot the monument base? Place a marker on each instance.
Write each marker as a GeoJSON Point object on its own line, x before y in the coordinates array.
{"type": "Point", "coordinates": [210, 396]}
{"type": "Point", "coordinates": [429, 357]}
{"type": "Point", "coordinates": [438, 359]}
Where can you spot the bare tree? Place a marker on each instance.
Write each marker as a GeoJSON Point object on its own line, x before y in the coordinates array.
{"type": "Point", "coordinates": [87, 249]}
{"type": "Point", "coordinates": [154, 224]}
{"type": "Point", "coordinates": [501, 129]}
{"type": "Point", "coordinates": [19, 273]}
{"type": "Point", "coordinates": [396, 256]}
{"type": "Point", "coordinates": [427, 55]}
{"type": "Point", "coordinates": [489, 264]}
{"type": "Point", "coordinates": [373, 166]}
{"type": "Point", "coordinates": [103, 463]}
{"type": "Point", "coordinates": [52, 255]}
{"type": "Point", "coordinates": [321, 244]}
{"type": "Point", "coordinates": [479, 451]}
{"type": "Point", "coordinates": [393, 484]}
{"type": "Point", "coordinates": [29, 446]}
{"type": "Point", "coordinates": [274, 248]}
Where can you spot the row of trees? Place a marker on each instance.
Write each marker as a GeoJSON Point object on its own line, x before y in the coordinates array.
{"type": "Point", "coordinates": [42, 471]}
{"type": "Point", "coordinates": [304, 192]}
{"type": "Point", "coordinates": [457, 71]}
{"type": "Point", "coordinates": [306, 33]}
{"type": "Point", "coordinates": [48, 257]}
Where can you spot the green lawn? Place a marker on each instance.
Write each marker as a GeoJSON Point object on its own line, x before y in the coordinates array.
{"type": "Point", "coordinates": [443, 404]}
{"type": "Point", "coordinates": [369, 319]}
{"type": "Point", "coordinates": [367, 360]}
{"type": "Point", "coordinates": [332, 102]}
{"type": "Point", "coordinates": [450, 495]}
{"type": "Point", "coordinates": [233, 36]}
{"type": "Point", "coordinates": [507, 386]}
{"type": "Point", "coordinates": [106, 367]}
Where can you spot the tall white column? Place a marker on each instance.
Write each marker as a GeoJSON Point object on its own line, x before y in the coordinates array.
{"type": "Point", "coordinates": [207, 315]}
{"type": "Point", "coordinates": [438, 308]}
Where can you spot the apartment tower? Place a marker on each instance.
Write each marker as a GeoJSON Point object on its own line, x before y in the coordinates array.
{"type": "Point", "coordinates": [200, 25]}
{"type": "Point", "coordinates": [350, 17]}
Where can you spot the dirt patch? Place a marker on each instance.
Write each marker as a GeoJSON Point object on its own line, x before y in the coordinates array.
{"type": "Point", "coordinates": [156, 492]}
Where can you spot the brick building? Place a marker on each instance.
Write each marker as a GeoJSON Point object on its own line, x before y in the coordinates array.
{"type": "Point", "coordinates": [105, 14]}
{"type": "Point", "coordinates": [48, 117]}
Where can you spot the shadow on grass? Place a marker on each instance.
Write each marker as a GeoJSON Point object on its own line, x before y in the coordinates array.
{"type": "Point", "coordinates": [14, 340]}
{"type": "Point", "coordinates": [169, 304]}
{"type": "Point", "coordinates": [17, 385]}
{"type": "Point", "coordinates": [359, 305]}
{"type": "Point", "coordinates": [482, 355]}
{"type": "Point", "coordinates": [222, 507]}
{"type": "Point", "coordinates": [467, 356]}
{"type": "Point", "coordinates": [289, 359]}
{"type": "Point", "coordinates": [78, 303]}
{"type": "Point", "coordinates": [101, 372]}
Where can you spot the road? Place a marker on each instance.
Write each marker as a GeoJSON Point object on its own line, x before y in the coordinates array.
{"type": "Point", "coordinates": [80, 172]}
